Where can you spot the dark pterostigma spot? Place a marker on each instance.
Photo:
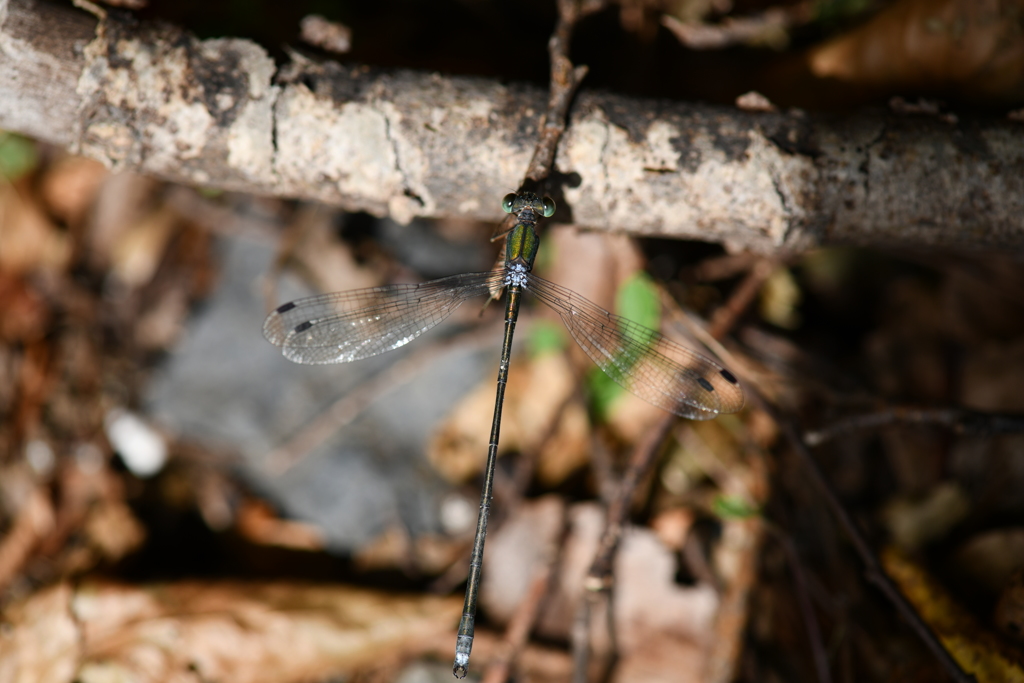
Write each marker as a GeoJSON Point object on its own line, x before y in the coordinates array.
{"type": "Point", "coordinates": [413, 196]}
{"type": "Point", "coordinates": [302, 327]}
{"type": "Point", "coordinates": [706, 384]}
{"type": "Point", "coordinates": [729, 377]}
{"type": "Point", "coordinates": [284, 308]}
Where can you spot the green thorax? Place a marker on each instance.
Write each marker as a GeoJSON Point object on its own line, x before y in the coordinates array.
{"type": "Point", "coordinates": [521, 245]}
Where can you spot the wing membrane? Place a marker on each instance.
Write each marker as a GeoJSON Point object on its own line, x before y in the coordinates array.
{"type": "Point", "coordinates": [348, 326]}
{"type": "Point", "coordinates": [643, 361]}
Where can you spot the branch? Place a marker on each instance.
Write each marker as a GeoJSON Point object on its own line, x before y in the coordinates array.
{"type": "Point", "coordinates": [219, 113]}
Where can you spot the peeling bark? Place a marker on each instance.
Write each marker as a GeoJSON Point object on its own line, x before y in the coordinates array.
{"type": "Point", "coordinates": [220, 113]}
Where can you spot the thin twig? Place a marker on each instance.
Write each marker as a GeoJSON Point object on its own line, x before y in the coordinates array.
{"type": "Point", "coordinates": [565, 80]}
{"type": "Point", "coordinates": [725, 317]}
{"type": "Point", "coordinates": [722, 267]}
{"type": "Point", "coordinates": [519, 627]}
{"type": "Point", "coordinates": [818, 652]}
{"type": "Point", "coordinates": [739, 30]}
{"type": "Point", "coordinates": [965, 422]}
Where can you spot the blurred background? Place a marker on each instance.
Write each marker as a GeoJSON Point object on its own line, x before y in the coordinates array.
{"type": "Point", "coordinates": [179, 502]}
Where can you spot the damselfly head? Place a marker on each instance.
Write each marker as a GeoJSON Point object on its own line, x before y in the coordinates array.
{"type": "Point", "coordinates": [514, 203]}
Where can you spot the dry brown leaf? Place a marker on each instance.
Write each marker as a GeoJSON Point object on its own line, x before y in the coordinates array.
{"type": "Point", "coordinates": [525, 543]}
{"type": "Point", "coordinates": [428, 554]}
{"type": "Point", "coordinates": [968, 48]}
{"type": "Point", "coordinates": [388, 550]}
{"type": "Point", "coordinates": [458, 447]}
{"type": "Point", "coordinates": [540, 391]}
{"type": "Point", "coordinates": [34, 521]}
{"type": "Point", "coordinates": [584, 262]}
{"type": "Point", "coordinates": [193, 631]}
{"type": "Point", "coordinates": [40, 641]}
{"type": "Point", "coordinates": [630, 417]}
{"type": "Point", "coordinates": [673, 526]}
{"type": "Point", "coordinates": [257, 522]}
{"type": "Point", "coordinates": [548, 395]}
{"type": "Point", "coordinates": [24, 313]}
{"type": "Point", "coordinates": [70, 186]}
{"type": "Point", "coordinates": [141, 247]}
{"type": "Point", "coordinates": [649, 604]}
{"type": "Point", "coordinates": [123, 201]}
{"type": "Point", "coordinates": [113, 530]}
{"type": "Point", "coordinates": [770, 28]}
{"type": "Point", "coordinates": [29, 240]}
{"type": "Point", "coordinates": [978, 651]}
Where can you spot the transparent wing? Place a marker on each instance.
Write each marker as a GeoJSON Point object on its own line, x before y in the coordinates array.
{"type": "Point", "coordinates": [347, 326]}
{"type": "Point", "coordinates": [641, 360]}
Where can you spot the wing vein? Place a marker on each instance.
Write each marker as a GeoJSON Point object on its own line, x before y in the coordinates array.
{"type": "Point", "coordinates": [347, 326]}
{"type": "Point", "coordinates": [642, 360]}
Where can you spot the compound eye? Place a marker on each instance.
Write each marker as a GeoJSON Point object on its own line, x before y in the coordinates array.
{"type": "Point", "coordinates": [506, 203]}
{"type": "Point", "coordinates": [548, 207]}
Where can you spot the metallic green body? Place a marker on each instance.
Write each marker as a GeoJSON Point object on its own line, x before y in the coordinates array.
{"type": "Point", "coordinates": [521, 245]}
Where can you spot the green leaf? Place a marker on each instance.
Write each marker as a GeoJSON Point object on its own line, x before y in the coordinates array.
{"type": "Point", "coordinates": [545, 255]}
{"type": "Point", "coordinates": [603, 392]}
{"type": "Point", "coordinates": [637, 300]}
{"type": "Point", "coordinates": [210, 192]}
{"type": "Point", "coordinates": [17, 156]}
{"type": "Point", "coordinates": [546, 336]}
{"type": "Point", "coordinates": [733, 507]}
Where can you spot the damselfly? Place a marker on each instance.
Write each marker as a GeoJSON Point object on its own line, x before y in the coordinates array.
{"type": "Point", "coordinates": [348, 326]}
